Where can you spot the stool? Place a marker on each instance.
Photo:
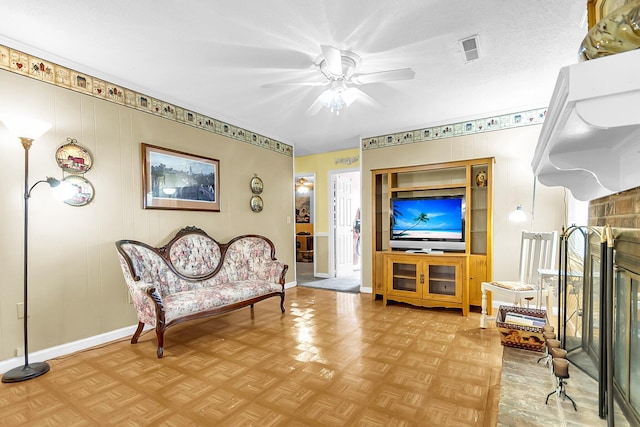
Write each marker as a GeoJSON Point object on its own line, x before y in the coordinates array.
{"type": "Point", "coordinates": [549, 343]}
{"type": "Point", "coordinates": [558, 353]}
{"type": "Point", "coordinates": [561, 372]}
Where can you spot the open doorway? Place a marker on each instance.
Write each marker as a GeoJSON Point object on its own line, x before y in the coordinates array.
{"type": "Point", "coordinates": [305, 227]}
{"type": "Point", "coordinates": [344, 215]}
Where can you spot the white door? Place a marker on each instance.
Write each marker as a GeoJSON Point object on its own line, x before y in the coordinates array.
{"type": "Point", "coordinates": [343, 214]}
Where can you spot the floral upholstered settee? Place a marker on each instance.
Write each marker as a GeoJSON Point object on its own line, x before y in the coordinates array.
{"type": "Point", "coordinates": [193, 276]}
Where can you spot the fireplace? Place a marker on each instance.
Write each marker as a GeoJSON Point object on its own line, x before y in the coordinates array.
{"type": "Point", "coordinates": [599, 317]}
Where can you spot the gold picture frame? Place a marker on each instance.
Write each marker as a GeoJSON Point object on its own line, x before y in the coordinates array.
{"type": "Point", "coordinates": [174, 179]}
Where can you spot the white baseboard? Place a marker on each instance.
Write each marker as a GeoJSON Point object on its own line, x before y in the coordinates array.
{"type": "Point", "coordinates": [83, 344]}
{"type": "Point", "coordinates": [290, 285]}
{"type": "Point", "coordinates": [68, 348]}
{"type": "Point", "coordinates": [366, 289]}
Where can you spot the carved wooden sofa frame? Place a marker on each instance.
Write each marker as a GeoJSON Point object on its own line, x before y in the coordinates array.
{"type": "Point", "coordinates": [193, 276]}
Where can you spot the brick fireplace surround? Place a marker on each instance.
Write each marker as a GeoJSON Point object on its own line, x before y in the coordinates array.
{"type": "Point", "coordinates": [620, 210]}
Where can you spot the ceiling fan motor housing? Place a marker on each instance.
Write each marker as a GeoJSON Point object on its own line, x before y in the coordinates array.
{"type": "Point", "coordinates": [350, 61]}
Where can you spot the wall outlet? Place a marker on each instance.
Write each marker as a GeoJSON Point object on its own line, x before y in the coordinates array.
{"type": "Point", "coordinates": [20, 308]}
{"type": "Point", "coordinates": [19, 351]}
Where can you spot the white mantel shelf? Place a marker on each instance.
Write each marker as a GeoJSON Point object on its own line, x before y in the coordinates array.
{"type": "Point", "coordinates": [590, 139]}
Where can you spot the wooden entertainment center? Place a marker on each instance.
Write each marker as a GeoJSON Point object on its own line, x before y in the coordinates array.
{"type": "Point", "coordinates": [448, 275]}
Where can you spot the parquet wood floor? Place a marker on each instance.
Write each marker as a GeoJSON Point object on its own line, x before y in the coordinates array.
{"type": "Point", "coordinates": [332, 359]}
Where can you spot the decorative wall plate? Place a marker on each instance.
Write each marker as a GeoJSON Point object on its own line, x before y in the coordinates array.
{"type": "Point", "coordinates": [83, 193]}
{"type": "Point", "coordinates": [257, 204]}
{"type": "Point", "coordinates": [256, 185]}
{"type": "Point", "coordinates": [73, 158]}
{"type": "Point", "coordinates": [481, 179]}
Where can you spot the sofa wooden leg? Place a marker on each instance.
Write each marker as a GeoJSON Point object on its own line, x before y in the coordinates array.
{"type": "Point", "coordinates": [136, 335]}
{"type": "Point", "coordinates": [160, 336]}
{"type": "Point", "coordinates": [282, 303]}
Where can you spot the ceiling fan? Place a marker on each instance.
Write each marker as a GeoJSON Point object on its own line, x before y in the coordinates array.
{"type": "Point", "coordinates": [339, 70]}
{"type": "Point", "coordinates": [303, 185]}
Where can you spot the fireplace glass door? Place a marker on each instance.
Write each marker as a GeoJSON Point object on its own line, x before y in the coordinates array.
{"type": "Point", "coordinates": [626, 341]}
{"type": "Point", "coordinates": [579, 298]}
{"type": "Point", "coordinates": [610, 315]}
{"type": "Point", "coordinates": [594, 319]}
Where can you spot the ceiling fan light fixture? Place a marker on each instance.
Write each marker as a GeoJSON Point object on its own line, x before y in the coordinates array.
{"type": "Point", "coordinates": [303, 186]}
{"type": "Point", "coordinates": [339, 67]}
{"type": "Point", "coordinates": [337, 97]}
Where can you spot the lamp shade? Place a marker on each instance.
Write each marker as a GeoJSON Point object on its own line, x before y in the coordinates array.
{"type": "Point", "coordinates": [518, 215]}
{"type": "Point", "coordinates": [63, 190]}
{"type": "Point", "coordinates": [24, 127]}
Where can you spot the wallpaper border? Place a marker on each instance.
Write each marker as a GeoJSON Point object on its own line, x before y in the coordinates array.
{"type": "Point", "coordinates": [469, 127]}
{"type": "Point", "coordinates": [34, 67]}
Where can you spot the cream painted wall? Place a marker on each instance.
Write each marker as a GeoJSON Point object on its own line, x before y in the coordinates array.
{"type": "Point", "coordinates": [321, 165]}
{"type": "Point", "coordinates": [76, 286]}
{"type": "Point", "coordinates": [513, 185]}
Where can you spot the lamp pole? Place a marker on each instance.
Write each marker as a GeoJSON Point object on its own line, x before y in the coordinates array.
{"type": "Point", "coordinates": [33, 370]}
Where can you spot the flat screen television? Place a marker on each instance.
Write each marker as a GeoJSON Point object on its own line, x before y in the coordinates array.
{"type": "Point", "coordinates": [428, 223]}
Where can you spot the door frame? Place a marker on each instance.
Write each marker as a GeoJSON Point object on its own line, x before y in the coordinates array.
{"type": "Point", "coordinates": [313, 217]}
{"type": "Point", "coordinates": [331, 175]}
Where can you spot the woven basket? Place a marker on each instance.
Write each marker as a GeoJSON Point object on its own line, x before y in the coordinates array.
{"type": "Point", "coordinates": [520, 336]}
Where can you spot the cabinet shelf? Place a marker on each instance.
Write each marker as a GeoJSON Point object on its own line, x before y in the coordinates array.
{"type": "Point", "coordinates": [404, 288]}
{"type": "Point", "coordinates": [426, 187]}
{"type": "Point", "coordinates": [442, 279]}
{"type": "Point", "coordinates": [402, 276]}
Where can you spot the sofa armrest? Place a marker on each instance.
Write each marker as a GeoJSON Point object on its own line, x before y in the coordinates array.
{"type": "Point", "coordinates": [148, 303]}
{"type": "Point", "coordinates": [271, 271]}
{"type": "Point", "coordinates": [146, 300]}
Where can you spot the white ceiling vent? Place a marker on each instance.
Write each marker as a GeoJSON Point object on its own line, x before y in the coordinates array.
{"type": "Point", "coordinates": [470, 48]}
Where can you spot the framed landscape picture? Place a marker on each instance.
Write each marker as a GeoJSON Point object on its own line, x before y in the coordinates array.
{"type": "Point", "coordinates": [174, 179]}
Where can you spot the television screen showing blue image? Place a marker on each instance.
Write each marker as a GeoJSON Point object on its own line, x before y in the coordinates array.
{"type": "Point", "coordinates": [428, 219]}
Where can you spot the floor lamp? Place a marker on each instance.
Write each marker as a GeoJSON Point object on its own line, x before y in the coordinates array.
{"type": "Point", "coordinates": [27, 130]}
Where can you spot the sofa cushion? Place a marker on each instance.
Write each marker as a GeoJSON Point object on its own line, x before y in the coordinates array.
{"type": "Point", "coordinates": [195, 255]}
{"type": "Point", "coordinates": [186, 303]}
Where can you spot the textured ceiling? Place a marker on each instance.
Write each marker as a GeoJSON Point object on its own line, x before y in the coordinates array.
{"type": "Point", "coordinates": [214, 56]}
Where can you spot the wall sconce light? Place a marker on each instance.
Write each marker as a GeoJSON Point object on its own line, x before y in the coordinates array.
{"type": "Point", "coordinates": [27, 130]}
{"type": "Point", "coordinates": [518, 215]}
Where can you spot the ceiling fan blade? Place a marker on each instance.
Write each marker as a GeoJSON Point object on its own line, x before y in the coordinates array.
{"type": "Point", "coordinates": [296, 83]}
{"type": "Point", "coordinates": [333, 58]}
{"type": "Point", "coordinates": [316, 106]}
{"type": "Point", "coordinates": [383, 76]}
{"type": "Point", "coordinates": [364, 98]}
